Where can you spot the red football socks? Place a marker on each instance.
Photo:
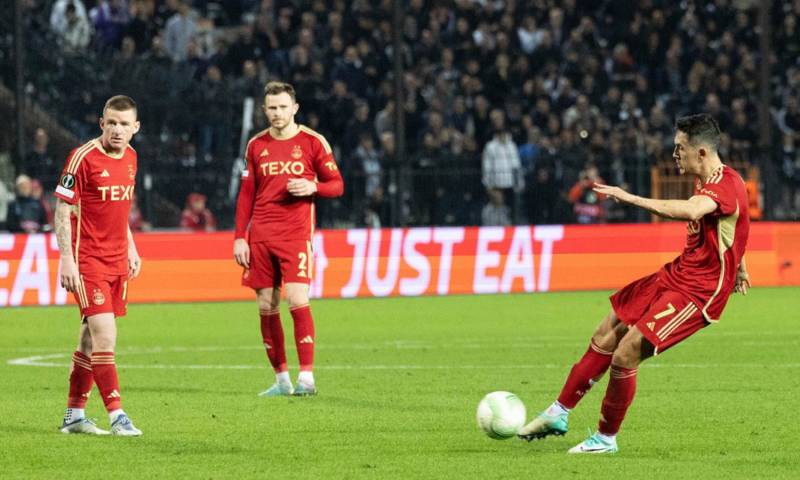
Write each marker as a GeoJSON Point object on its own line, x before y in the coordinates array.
{"type": "Point", "coordinates": [304, 336]}
{"type": "Point", "coordinates": [272, 334]}
{"type": "Point", "coordinates": [104, 371]}
{"type": "Point", "coordinates": [589, 369]}
{"type": "Point", "coordinates": [619, 395]}
{"type": "Point", "coordinates": [80, 380]}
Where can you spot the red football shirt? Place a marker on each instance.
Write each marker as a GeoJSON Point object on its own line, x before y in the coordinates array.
{"type": "Point", "coordinates": [264, 201]}
{"type": "Point", "coordinates": [715, 245]}
{"type": "Point", "coordinates": [101, 187]}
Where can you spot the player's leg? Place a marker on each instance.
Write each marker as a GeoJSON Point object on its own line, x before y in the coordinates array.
{"type": "Point", "coordinates": [631, 351]}
{"type": "Point", "coordinates": [304, 337]}
{"type": "Point", "coordinates": [103, 328]}
{"type": "Point", "coordinates": [80, 386]}
{"type": "Point", "coordinates": [272, 335]}
{"type": "Point", "coordinates": [670, 319]}
{"type": "Point", "coordinates": [296, 265]}
{"type": "Point", "coordinates": [264, 276]}
{"type": "Point", "coordinates": [585, 373]}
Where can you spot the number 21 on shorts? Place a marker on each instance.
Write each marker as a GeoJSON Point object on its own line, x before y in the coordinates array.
{"type": "Point", "coordinates": [306, 259]}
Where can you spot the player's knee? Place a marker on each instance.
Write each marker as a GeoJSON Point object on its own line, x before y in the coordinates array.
{"type": "Point", "coordinates": [103, 343]}
{"type": "Point", "coordinates": [268, 300]}
{"type": "Point", "coordinates": [266, 304]}
{"type": "Point", "coordinates": [85, 346]}
{"type": "Point", "coordinates": [296, 295]}
{"type": "Point", "coordinates": [297, 300]}
{"type": "Point", "coordinates": [605, 340]}
{"type": "Point", "coordinates": [626, 354]}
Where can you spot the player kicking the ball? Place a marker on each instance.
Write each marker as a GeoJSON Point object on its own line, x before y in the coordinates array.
{"type": "Point", "coordinates": [98, 257]}
{"type": "Point", "coordinates": [656, 312]}
{"type": "Point", "coordinates": [287, 165]}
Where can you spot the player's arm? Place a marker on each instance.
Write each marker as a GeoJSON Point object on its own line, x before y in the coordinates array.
{"type": "Point", "coordinates": [244, 211]}
{"type": "Point", "coordinates": [692, 209]}
{"type": "Point", "coordinates": [134, 260]}
{"type": "Point", "coordinates": [742, 279]}
{"type": "Point", "coordinates": [70, 278]}
{"type": "Point", "coordinates": [329, 181]}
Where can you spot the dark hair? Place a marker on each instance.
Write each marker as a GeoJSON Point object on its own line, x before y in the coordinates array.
{"type": "Point", "coordinates": [700, 128]}
{"type": "Point", "coordinates": [120, 103]}
{"type": "Point", "coordinates": [276, 88]}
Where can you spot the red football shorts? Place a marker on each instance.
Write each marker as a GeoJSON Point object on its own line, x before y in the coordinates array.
{"type": "Point", "coordinates": [665, 317]}
{"type": "Point", "coordinates": [99, 293]}
{"type": "Point", "coordinates": [275, 263]}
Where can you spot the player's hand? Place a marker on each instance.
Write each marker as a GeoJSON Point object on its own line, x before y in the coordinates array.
{"type": "Point", "coordinates": [618, 194]}
{"type": "Point", "coordinates": [742, 282]}
{"type": "Point", "coordinates": [301, 187]}
{"type": "Point", "coordinates": [70, 278]}
{"type": "Point", "coordinates": [134, 263]}
{"type": "Point", "coordinates": [241, 252]}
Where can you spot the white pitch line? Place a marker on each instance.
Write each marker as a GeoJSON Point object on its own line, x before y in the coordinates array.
{"type": "Point", "coordinates": [43, 361]}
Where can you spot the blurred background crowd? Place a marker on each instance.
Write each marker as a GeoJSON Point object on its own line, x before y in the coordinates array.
{"type": "Point", "coordinates": [511, 109]}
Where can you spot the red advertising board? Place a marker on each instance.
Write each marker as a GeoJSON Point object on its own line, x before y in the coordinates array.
{"type": "Point", "coordinates": [184, 267]}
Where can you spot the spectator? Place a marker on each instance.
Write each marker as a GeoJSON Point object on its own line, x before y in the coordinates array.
{"type": "Point", "coordinates": [495, 212]}
{"type": "Point", "coordinates": [26, 213]}
{"type": "Point", "coordinates": [142, 26]}
{"type": "Point", "coordinates": [6, 198]}
{"type": "Point", "coordinates": [76, 33]}
{"type": "Point", "coordinates": [39, 162]}
{"type": "Point", "coordinates": [529, 35]}
{"type": "Point", "coordinates": [37, 193]}
{"type": "Point", "coordinates": [58, 14]}
{"type": "Point", "coordinates": [500, 163]}
{"type": "Point", "coordinates": [214, 139]}
{"type": "Point", "coordinates": [110, 20]}
{"type": "Point", "coordinates": [384, 120]}
{"type": "Point", "coordinates": [180, 29]}
{"type": "Point", "coordinates": [588, 206]}
{"type": "Point", "coordinates": [368, 159]}
{"type": "Point", "coordinates": [788, 117]}
{"type": "Point", "coordinates": [136, 220]}
{"type": "Point", "coordinates": [357, 126]}
{"type": "Point", "coordinates": [196, 217]}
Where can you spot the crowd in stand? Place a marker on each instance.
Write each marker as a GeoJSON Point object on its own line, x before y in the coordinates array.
{"type": "Point", "coordinates": [511, 108]}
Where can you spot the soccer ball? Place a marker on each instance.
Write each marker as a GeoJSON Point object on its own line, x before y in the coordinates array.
{"type": "Point", "coordinates": [501, 415]}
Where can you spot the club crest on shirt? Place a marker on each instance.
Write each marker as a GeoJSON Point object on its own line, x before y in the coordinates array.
{"type": "Point", "coordinates": [297, 152]}
{"type": "Point", "coordinates": [67, 181]}
{"type": "Point", "coordinates": [131, 172]}
{"type": "Point", "coordinates": [97, 297]}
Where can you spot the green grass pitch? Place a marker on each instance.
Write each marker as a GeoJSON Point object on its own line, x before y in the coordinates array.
{"type": "Point", "coordinates": [399, 382]}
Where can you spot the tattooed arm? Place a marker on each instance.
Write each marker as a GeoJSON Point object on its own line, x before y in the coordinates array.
{"type": "Point", "coordinates": [70, 278]}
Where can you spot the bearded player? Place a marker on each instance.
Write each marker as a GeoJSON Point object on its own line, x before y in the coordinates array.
{"type": "Point", "coordinates": [656, 312]}
{"type": "Point", "coordinates": [98, 257]}
{"type": "Point", "coordinates": [287, 166]}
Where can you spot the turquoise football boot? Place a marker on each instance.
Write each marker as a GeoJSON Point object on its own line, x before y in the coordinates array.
{"type": "Point", "coordinates": [305, 389]}
{"type": "Point", "coordinates": [279, 389]}
{"type": "Point", "coordinates": [595, 444]}
{"type": "Point", "coordinates": [544, 425]}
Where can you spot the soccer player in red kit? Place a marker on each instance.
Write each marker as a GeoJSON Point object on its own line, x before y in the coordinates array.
{"type": "Point", "coordinates": [287, 166]}
{"type": "Point", "coordinates": [98, 257]}
{"type": "Point", "coordinates": [656, 312]}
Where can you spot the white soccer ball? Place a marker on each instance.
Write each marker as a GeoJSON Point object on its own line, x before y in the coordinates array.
{"type": "Point", "coordinates": [501, 415]}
